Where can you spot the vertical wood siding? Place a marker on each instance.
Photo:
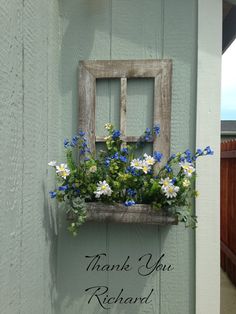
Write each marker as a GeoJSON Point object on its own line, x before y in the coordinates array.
{"type": "Point", "coordinates": [30, 124]}
{"type": "Point", "coordinates": [228, 209]}
{"type": "Point", "coordinates": [133, 29]}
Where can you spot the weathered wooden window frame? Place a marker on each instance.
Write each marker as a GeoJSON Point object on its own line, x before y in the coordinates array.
{"type": "Point", "coordinates": [161, 72]}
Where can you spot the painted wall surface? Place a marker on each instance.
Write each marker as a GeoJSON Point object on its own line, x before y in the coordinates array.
{"type": "Point", "coordinates": [129, 29]}
{"type": "Point", "coordinates": [29, 125]}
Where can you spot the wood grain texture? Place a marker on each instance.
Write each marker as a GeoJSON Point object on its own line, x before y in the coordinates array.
{"type": "Point", "coordinates": [123, 104]}
{"type": "Point", "coordinates": [120, 30]}
{"type": "Point", "coordinates": [126, 68]}
{"type": "Point", "coordinates": [11, 155]}
{"type": "Point", "coordinates": [26, 269]}
{"type": "Point", "coordinates": [118, 213]}
{"type": "Point", "coordinates": [160, 70]}
{"type": "Point", "coordinates": [136, 34]}
{"type": "Point", "coordinates": [179, 43]}
{"type": "Point", "coordinates": [78, 44]}
{"type": "Point", "coordinates": [227, 209]}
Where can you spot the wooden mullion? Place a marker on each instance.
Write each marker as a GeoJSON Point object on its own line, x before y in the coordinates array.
{"type": "Point", "coordinates": [123, 102]}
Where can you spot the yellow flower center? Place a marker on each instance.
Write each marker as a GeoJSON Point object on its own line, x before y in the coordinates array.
{"type": "Point", "coordinates": [64, 173]}
{"type": "Point", "coordinates": [103, 187]}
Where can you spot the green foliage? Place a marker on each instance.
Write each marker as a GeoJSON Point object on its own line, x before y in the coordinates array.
{"type": "Point", "coordinates": [119, 175]}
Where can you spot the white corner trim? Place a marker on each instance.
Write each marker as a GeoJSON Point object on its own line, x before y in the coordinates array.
{"type": "Point", "coordinates": [208, 168]}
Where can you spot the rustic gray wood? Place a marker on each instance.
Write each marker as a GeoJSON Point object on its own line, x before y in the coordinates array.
{"type": "Point", "coordinates": [87, 96]}
{"type": "Point", "coordinates": [159, 70]}
{"type": "Point", "coordinates": [119, 213]}
{"type": "Point", "coordinates": [123, 100]}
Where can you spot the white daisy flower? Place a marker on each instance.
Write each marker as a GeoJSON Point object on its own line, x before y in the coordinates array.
{"type": "Point", "coordinates": [103, 188]}
{"type": "Point", "coordinates": [145, 167]}
{"type": "Point", "coordinates": [166, 183]}
{"type": "Point", "coordinates": [62, 170]}
{"type": "Point", "coordinates": [108, 126]}
{"type": "Point", "coordinates": [187, 168]}
{"type": "Point", "coordinates": [186, 183]}
{"type": "Point", "coordinates": [136, 163]}
{"type": "Point", "coordinates": [149, 159]}
{"type": "Point", "coordinates": [171, 191]}
{"type": "Point", "coordinates": [52, 163]}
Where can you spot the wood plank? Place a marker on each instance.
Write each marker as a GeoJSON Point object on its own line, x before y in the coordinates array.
{"type": "Point", "coordinates": [118, 213]}
{"type": "Point", "coordinates": [123, 101]}
{"type": "Point", "coordinates": [136, 38]}
{"type": "Point", "coordinates": [85, 34]}
{"type": "Point", "coordinates": [87, 97]}
{"type": "Point", "coordinates": [228, 154]}
{"type": "Point", "coordinates": [37, 276]}
{"type": "Point", "coordinates": [228, 252]}
{"type": "Point", "coordinates": [11, 157]}
{"type": "Point", "coordinates": [178, 243]}
{"type": "Point", "coordinates": [126, 68]}
{"type": "Point", "coordinates": [208, 183]}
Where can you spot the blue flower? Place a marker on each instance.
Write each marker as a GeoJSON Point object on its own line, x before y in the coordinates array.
{"type": "Point", "coordinates": [116, 134]}
{"type": "Point", "coordinates": [188, 153]}
{"type": "Point", "coordinates": [81, 133]}
{"type": "Point", "coordinates": [199, 152]}
{"type": "Point", "coordinates": [124, 150]}
{"type": "Point", "coordinates": [52, 194]}
{"type": "Point", "coordinates": [157, 156]}
{"type": "Point", "coordinates": [132, 171]}
{"type": "Point", "coordinates": [168, 168]}
{"type": "Point", "coordinates": [131, 192]}
{"type": "Point", "coordinates": [115, 156]}
{"type": "Point", "coordinates": [189, 159]}
{"type": "Point", "coordinates": [85, 144]}
{"type": "Point", "coordinates": [129, 203]}
{"type": "Point", "coordinates": [173, 181]}
{"type": "Point", "coordinates": [66, 143]}
{"type": "Point", "coordinates": [63, 188]}
{"type": "Point", "coordinates": [107, 161]}
{"type": "Point", "coordinates": [157, 129]}
{"type": "Point", "coordinates": [208, 151]}
{"type": "Point", "coordinates": [123, 159]}
{"type": "Point", "coordinates": [74, 141]}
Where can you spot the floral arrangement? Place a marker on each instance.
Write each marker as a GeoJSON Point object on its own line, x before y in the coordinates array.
{"type": "Point", "coordinates": [119, 175]}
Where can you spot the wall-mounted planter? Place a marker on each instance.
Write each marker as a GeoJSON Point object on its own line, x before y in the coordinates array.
{"type": "Point", "coordinates": [118, 213]}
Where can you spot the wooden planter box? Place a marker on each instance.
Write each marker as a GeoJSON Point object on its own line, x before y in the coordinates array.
{"type": "Point", "coordinates": [118, 213]}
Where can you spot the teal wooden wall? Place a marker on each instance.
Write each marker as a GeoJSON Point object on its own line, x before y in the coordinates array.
{"type": "Point", "coordinates": [41, 43]}
{"type": "Point", "coordinates": [29, 136]}
{"type": "Point", "coordinates": [129, 29]}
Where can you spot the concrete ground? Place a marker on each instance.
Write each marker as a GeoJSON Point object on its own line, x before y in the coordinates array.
{"type": "Point", "coordinates": [227, 295]}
